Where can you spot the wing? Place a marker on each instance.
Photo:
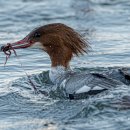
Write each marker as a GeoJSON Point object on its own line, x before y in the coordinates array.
{"type": "Point", "coordinates": [89, 84]}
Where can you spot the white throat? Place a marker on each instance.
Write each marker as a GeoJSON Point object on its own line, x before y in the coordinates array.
{"type": "Point", "coordinates": [56, 73]}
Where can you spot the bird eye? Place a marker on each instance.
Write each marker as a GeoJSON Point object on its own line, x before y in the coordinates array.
{"type": "Point", "coordinates": [36, 35]}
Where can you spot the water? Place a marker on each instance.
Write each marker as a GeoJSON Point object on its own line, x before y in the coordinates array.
{"type": "Point", "coordinates": [106, 23]}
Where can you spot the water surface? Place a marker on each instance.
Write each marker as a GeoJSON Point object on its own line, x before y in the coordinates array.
{"type": "Point", "coordinates": [106, 23]}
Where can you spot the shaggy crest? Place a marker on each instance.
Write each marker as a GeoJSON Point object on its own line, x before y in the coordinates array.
{"type": "Point", "coordinates": [58, 40]}
{"type": "Point", "coordinates": [63, 35]}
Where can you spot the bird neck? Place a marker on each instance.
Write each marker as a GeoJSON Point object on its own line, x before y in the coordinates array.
{"type": "Point", "coordinates": [60, 57]}
{"type": "Point", "coordinates": [57, 73]}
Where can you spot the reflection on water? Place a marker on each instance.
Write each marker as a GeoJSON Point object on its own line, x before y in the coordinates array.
{"type": "Point", "coordinates": [105, 23]}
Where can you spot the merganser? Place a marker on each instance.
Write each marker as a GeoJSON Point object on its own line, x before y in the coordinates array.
{"type": "Point", "coordinates": [61, 43]}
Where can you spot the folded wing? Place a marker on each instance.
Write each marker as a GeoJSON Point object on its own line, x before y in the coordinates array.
{"type": "Point", "coordinates": [83, 84]}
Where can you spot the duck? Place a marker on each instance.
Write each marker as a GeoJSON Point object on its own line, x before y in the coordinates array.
{"type": "Point", "coordinates": [62, 43]}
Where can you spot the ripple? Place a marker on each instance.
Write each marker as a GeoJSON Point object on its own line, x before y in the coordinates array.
{"type": "Point", "coordinates": [105, 23]}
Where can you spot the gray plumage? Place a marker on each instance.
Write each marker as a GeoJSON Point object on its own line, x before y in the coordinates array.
{"type": "Point", "coordinates": [91, 80]}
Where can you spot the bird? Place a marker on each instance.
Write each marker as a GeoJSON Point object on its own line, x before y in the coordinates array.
{"type": "Point", "coordinates": [62, 43]}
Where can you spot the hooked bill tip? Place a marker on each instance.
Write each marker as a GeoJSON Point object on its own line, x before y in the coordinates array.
{"type": "Point", "coordinates": [2, 48]}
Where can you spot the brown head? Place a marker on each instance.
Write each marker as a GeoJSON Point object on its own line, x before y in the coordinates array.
{"type": "Point", "coordinates": [58, 40]}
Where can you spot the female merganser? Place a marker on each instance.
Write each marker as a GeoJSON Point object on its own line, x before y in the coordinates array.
{"type": "Point", "coordinates": [61, 43]}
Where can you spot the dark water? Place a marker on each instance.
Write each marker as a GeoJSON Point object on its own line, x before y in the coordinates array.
{"type": "Point", "coordinates": [106, 23]}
